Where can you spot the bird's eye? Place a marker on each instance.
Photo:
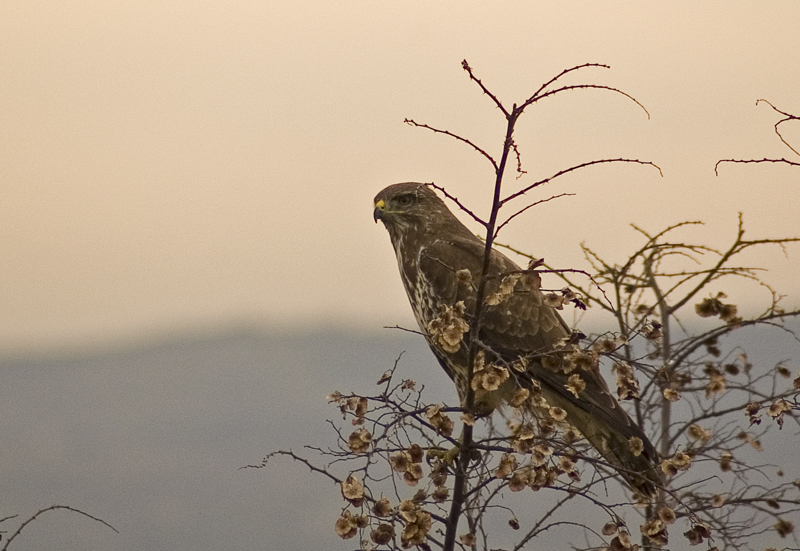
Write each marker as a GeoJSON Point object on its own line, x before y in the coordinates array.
{"type": "Point", "coordinates": [405, 200]}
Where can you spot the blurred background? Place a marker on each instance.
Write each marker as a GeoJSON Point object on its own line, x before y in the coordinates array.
{"type": "Point", "coordinates": [187, 250]}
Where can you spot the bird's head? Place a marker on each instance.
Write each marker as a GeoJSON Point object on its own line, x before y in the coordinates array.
{"type": "Point", "coordinates": [409, 207]}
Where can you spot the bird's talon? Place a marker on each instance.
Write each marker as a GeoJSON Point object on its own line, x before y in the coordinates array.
{"type": "Point", "coordinates": [451, 455]}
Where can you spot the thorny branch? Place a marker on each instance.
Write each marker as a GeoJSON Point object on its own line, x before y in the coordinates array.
{"type": "Point", "coordinates": [786, 118]}
{"type": "Point", "coordinates": [45, 510]}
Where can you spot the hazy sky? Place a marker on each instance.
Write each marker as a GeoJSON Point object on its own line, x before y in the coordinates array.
{"type": "Point", "coordinates": [169, 165]}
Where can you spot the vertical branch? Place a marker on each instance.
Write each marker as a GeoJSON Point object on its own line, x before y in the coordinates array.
{"type": "Point", "coordinates": [666, 350]}
{"type": "Point", "coordinates": [461, 475]}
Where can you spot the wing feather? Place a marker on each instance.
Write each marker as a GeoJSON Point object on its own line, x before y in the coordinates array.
{"type": "Point", "coordinates": [521, 324]}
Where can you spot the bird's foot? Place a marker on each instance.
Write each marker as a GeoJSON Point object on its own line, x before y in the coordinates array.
{"type": "Point", "coordinates": [450, 456]}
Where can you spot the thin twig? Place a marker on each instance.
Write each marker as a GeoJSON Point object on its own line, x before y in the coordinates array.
{"type": "Point", "coordinates": [539, 202]}
{"type": "Point", "coordinates": [454, 199]}
{"type": "Point", "coordinates": [576, 167]}
{"type": "Point", "coordinates": [750, 161]}
{"type": "Point", "coordinates": [52, 508]}
{"type": "Point", "coordinates": [410, 122]}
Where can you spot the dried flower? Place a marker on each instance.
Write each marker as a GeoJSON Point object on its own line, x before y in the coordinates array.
{"type": "Point", "coordinates": [667, 515]}
{"type": "Point", "coordinates": [519, 397]}
{"type": "Point", "coordinates": [777, 409]}
{"type": "Point", "coordinates": [382, 535]}
{"type": "Point", "coordinates": [407, 510]}
{"type": "Point", "coordinates": [605, 346]}
{"type": "Point", "coordinates": [418, 524]}
{"type": "Point", "coordinates": [553, 362]}
{"type": "Point", "coordinates": [353, 490]}
{"type": "Point", "coordinates": [399, 461]}
{"type": "Point", "coordinates": [610, 528]}
{"type": "Point", "coordinates": [784, 527]}
{"type": "Point", "coordinates": [438, 420]}
{"type": "Point", "coordinates": [567, 465]}
{"type": "Point", "coordinates": [531, 281]}
{"type": "Point", "coordinates": [622, 542]}
{"type": "Point", "coordinates": [652, 330]}
{"type": "Point", "coordinates": [346, 525]}
{"type": "Point", "coordinates": [716, 385]}
{"type": "Point", "coordinates": [747, 437]}
{"type": "Point", "coordinates": [440, 494]}
{"type": "Point", "coordinates": [697, 534]}
{"type": "Point", "coordinates": [382, 508]}
{"type": "Point", "coordinates": [656, 531]}
{"type": "Point", "coordinates": [508, 463]}
{"type": "Point", "coordinates": [488, 376]}
{"type": "Point", "coordinates": [671, 394]}
{"type": "Point", "coordinates": [504, 290]}
{"type": "Point", "coordinates": [416, 453]}
{"type": "Point", "coordinates": [731, 369]}
{"type": "Point", "coordinates": [359, 441]}
{"type": "Point", "coordinates": [438, 473]}
{"type": "Point", "coordinates": [725, 461]}
{"type": "Point", "coordinates": [696, 432]}
{"type": "Point", "coordinates": [713, 306]}
{"type": "Point", "coordinates": [448, 327]}
{"type": "Point", "coordinates": [521, 364]}
{"type": "Point", "coordinates": [544, 449]}
{"type": "Point", "coordinates": [468, 539]}
{"type": "Point", "coordinates": [519, 480]}
{"type": "Point", "coordinates": [584, 360]}
{"type": "Point", "coordinates": [627, 386]}
{"type": "Point", "coordinates": [386, 377]}
{"type": "Point", "coordinates": [335, 397]}
{"type": "Point", "coordinates": [554, 301]}
{"type": "Point", "coordinates": [678, 462]}
{"type": "Point", "coordinates": [413, 474]}
{"type": "Point", "coordinates": [575, 384]}
{"type": "Point", "coordinates": [570, 435]}
{"type": "Point", "coordinates": [637, 445]}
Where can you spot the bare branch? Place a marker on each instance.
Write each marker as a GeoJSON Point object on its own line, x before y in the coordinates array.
{"type": "Point", "coordinates": [539, 202]}
{"type": "Point", "coordinates": [788, 117]}
{"type": "Point", "coordinates": [459, 203]}
{"type": "Point", "coordinates": [53, 508]}
{"type": "Point", "coordinates": [573, 168]}
{"type": "Point", "coordinates": [410, 122]}
{"type": "Point", "coordinates": [750, 161]}
{"type": "Point", "coordinates": [472, 76]}
{"type": "Point", "coordinates": [561, 74]}
{"type": "Point", "coordinates": [586, 87]}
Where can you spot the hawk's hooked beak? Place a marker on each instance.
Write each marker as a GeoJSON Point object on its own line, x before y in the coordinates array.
{"type": "Point", "coordinates": [380, 208]}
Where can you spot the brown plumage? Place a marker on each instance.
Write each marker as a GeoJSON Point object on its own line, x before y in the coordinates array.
{"type": "Point", "coordinates": [440, 263]}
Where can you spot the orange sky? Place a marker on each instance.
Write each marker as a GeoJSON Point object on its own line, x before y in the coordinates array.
{"type": "Point", "coordinates": [166, 166]}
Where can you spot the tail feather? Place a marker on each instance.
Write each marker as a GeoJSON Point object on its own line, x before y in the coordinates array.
{"type": "Point", "coordinates": [638, 465]}
{"type": "Point", "coordinates": [611, 432]}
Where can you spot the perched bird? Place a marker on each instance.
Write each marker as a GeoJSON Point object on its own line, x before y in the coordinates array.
{"type": "Point", "coordinates": [521, 339]}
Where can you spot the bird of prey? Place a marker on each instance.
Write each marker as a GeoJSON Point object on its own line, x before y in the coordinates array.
{"type": "Point", "coordinates": [521, 339]}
